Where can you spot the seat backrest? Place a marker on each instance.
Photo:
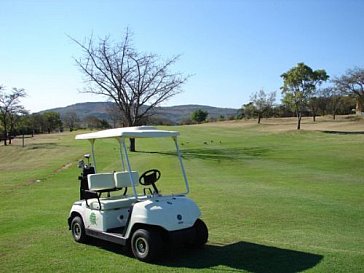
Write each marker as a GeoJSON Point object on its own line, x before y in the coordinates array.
{"type": "Point", "coordinates": [122, 179]}
{"type": "Point", "coordinates": [101, 181]}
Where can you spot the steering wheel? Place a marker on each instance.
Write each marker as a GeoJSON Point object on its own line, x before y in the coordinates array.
{"type": "Point", "coordinates": [149, 177]}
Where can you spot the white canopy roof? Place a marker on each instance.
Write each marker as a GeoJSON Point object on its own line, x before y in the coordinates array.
{"type": "Point", "coordinates": [129, 132]}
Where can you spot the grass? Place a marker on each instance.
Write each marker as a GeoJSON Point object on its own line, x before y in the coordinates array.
{"type": "Point", "coordinates": [274, 200]}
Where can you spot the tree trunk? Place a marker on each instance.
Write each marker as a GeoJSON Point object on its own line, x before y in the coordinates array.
{"type": "Point", "coordinates": [259, 117]}
{"type": "Point", "coordinates": [314, 117]}
{"type": "Point", "coordinates": [5, 139]}
{"type": "Point", "coordinates": [359, 105]}
{"type": "Point", "coordinates": [299, 117]}
{"type": "Point", "coordinates": [132, 145]}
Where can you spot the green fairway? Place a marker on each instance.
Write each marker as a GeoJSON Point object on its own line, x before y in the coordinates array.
{"type": "Point", "coordinates": [274, 201]}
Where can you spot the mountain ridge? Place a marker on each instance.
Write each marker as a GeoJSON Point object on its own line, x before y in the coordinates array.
{"type": "Point", "coordinates": [176, 114]}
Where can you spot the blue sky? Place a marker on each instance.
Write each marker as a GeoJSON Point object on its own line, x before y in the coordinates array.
{"type": "Point", "coordinates": [232, 48]}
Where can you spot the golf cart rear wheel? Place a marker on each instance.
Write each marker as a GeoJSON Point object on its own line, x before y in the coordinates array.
{"type": "Point", "coordinates": [202, 233]}
{"type": "Point", "coordinates": [146, 245]}
{"type": "Point", "coordinates": [78, 230]}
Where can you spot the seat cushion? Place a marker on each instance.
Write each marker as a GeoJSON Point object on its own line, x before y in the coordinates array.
{"type": "Point", "coordinates": [101, 181]}
{"type": "Point", "coordinates": [122, 179]}
{"type": "Point", "coordinates": [110, 203]}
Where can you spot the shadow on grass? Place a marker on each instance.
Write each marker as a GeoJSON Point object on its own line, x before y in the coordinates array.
{"type": "Point", "coordinates": [344, 132]}
{"type": "Point", "coordinates": [34, 146]}
{"type": "Point", "coordinates": [240, 256]}
{"type": "Point", "coordinates": [246, 256]}
{"type": "Point", "coordinates": [218, 153]}
{"type": "Point", "coordinates": [224, 153]}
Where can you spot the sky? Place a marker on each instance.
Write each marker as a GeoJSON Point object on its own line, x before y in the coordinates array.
{"type": "Point", "coordinates": [230, 48]}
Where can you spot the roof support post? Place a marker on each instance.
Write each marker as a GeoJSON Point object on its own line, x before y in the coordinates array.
{"type": "Point", "coordinates": [121, 154]}
{"type": "Point", "coordinates": [122, 140]}
{"type": "Point", "coordinates": [92, 141]}
{"type": "Point", "coordinates": [181, 165]}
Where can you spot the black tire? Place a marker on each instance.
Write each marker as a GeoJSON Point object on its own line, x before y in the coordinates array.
{"type": "Point", "coordinates": [202, 233]}
{"type": "Point", "coordinates": [78, 230]}
{"type": "Point", "coordinates": [146, 245]}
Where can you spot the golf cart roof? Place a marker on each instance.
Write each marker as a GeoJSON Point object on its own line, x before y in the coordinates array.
{"type": "Point", "coordinates": [129, 132]}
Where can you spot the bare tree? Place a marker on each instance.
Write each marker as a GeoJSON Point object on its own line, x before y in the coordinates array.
{"type": "Point", "coordinates": [136, 82]}
{"type": "Point", "coordinates": [70, 119]}
{"type": "Point", "coordinates": [352, 83]}
{"type": "Point", "coordinates": [262, 102]}
{"type": "Point", "coordinates": [334, 97]}
{"type": "Point", "coordinates": [9, 108]}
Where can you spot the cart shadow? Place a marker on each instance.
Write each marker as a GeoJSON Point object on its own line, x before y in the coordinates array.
{"type": "Point", "coordinates": [245, 256]}
{"type": "Point", "coordinates": [240, 256]}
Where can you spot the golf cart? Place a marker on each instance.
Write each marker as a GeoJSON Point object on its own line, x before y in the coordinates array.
{"type": "Point", "coordinates": [127, 208]}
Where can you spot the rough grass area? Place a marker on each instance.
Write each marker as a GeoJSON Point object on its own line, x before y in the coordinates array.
{"type": "Point", "coordinates": [275, 200]}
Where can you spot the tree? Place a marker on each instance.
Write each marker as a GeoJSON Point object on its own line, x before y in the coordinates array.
{"type": "Point", "coordinates": [248, 110]}
{"type": "Point", "coordinates": [52, 121]}
{"type": "Point", "coordinates": [314, 105]}
{"type": "Point", "coordinates": [70, 119]}
{"type": "Point", "coordinates": [93, 122]}
{"type": "Point", "coordinates": [299, 84]}
{"type": "Point", "coordinates": [352, 83]}
{"type": "Point", "coordinates": [262, 102]}
{"type": "Point", "coordinates": [38, 123]}
{"type": "Point", "coordinates": [334, 99]}
{"type": "Point", "coordinates": [9, 108]}
{"type": "Point", "coordinates": [199, 115]}
{"type": "Point", "coordinates": [136, 82]}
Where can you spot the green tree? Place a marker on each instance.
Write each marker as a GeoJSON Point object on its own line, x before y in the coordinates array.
{"type": "Point", "coordinates": [248, 110]}
{"type": "Point", "coordinates": [299, 85]}
{"type": "Point", "coordinates": [199, 115]}
{"type": "Point", "coordinates": [52, 121]}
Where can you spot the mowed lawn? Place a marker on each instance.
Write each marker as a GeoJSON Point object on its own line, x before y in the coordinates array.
{"type": "Point", "coordinates": [274, 201]}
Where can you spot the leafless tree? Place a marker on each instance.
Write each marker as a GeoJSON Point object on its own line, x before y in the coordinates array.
{"type": "Point", "coordinates": [70, 120]}
{"type": "Point", "coordinates": [136, 82]}
{"type": "Point", "coordinates": [352, 83]}
{"type": "Point", "coordinates": [9, 108]}
{"type": "Point", "coordinates": [333, 98]}
{"type": "Point", "coordinates": [262, 102]}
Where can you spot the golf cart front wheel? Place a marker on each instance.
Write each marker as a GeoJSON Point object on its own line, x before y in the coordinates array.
{"type": "Point", "coordinates": [146, 245]}
{"type": "Point", "coordinates": [78, 230]}
{"type": "Point", "coordinates": [202, 233]}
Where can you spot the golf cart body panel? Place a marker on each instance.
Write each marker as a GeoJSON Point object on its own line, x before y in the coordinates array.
{"type": "Point", "coordinates": [138, 219]}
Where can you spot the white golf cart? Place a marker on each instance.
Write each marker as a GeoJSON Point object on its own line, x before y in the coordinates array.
{"type": "Point", "coordinates": [145, 220]}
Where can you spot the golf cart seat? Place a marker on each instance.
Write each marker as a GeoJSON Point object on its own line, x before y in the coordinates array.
{"type": "Point", "coordinates": [122, 179]}
{"type": "Point", "coordinates": [107, 182]}
{"type": "Point", "coordinates": [111, 203]}
{"type": "Point", "coordinates": [101, 182]}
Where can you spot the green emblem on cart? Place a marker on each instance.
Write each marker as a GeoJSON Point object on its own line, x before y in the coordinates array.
{"type": "Point", "coordinates": [93, 218]}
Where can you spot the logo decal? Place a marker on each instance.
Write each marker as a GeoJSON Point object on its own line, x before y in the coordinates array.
{"type": "Point", "coordinates": [93, 219]}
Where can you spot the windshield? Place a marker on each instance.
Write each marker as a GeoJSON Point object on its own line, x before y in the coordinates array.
{"type": "Point", "coordinates": [151, 153]}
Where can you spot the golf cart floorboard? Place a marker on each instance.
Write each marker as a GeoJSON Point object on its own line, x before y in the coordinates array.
{"type": "Point", "coordinates": [113, 235]}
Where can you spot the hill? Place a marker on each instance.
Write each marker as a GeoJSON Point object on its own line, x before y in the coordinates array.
{"type": "Point", "coordinates": [170, 114]}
